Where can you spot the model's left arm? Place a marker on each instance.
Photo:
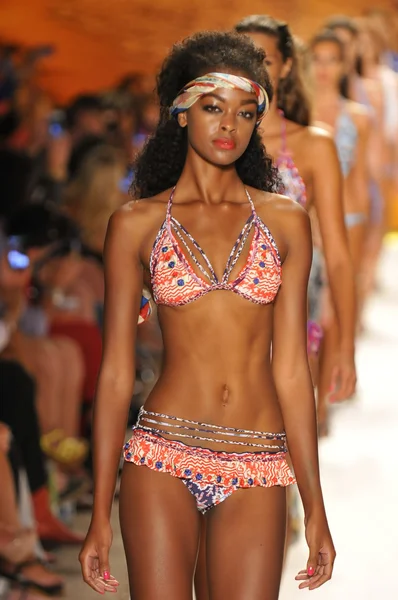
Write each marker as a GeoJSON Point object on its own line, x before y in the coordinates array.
{"type": "Point", "coordinates": [361, 174]}
{"type": "Point", "coordinates": [295, 392]}
{"type": "Point", "coordinates": [328, 197]}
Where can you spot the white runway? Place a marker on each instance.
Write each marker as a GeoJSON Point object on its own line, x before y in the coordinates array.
{"type": "Point", "coordinates": [359, 464]}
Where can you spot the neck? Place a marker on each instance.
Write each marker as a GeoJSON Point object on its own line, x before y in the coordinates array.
{"type": "Point", "coordinates": [273, 115]}
{"type": "Point", "coordinates": [326, 95]}
{"type": "Point", "coordinates": [369, 67]}
{"type": "Point", "coordinates": [271, 124]}
{"type": "Point", "coordinates": [212, 183]}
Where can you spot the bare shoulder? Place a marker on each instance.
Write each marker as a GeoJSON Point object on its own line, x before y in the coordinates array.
{"type": "Point", "coordinates": [321, 135]}
{"type": "Point", "coordinates": [320, 143]}
{"type": "Point", "coordinates": [282, 215]}
{"type": "Point", "coordinates": [359, 113]}
{"type": "Point", "coordinates": [137, 217]}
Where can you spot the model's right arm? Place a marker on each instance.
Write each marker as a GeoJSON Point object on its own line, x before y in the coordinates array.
{"type": "Point", "coordinates": [123, 288]}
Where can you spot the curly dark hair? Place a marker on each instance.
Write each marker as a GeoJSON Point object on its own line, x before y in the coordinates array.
{"type": "Point", "coordinates": [160, 164]}
{"type": "Point", "coordinates": [293, 98]}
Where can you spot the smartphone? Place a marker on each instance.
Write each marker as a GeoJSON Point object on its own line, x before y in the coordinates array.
{"type": "Point", "coordinates": [18, 261]}
{"type": "Point", "coordinates": [56, 127]}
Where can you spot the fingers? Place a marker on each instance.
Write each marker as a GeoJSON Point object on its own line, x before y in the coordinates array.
{"type": "Point", "coordinates": [92, 576]}
{"type": "Point", "coordinates": [334, 382]}
{"type": "Point", "coordinates": [343, 384]}
{"type": "Point", "coordinates": [104, 568]}
{"type": "Point", "coordinates": [111, 584]}
{"type": "Point", "coordinates": [325, 576]}
{"type": "Point", "coordinates": [321, 575]}
{"type": "Point", "coordinates": [310, 581]}
{"type": "Point", "coordinates": [313, 560]}
{"type": "Point", "coordinates": [90, 573]}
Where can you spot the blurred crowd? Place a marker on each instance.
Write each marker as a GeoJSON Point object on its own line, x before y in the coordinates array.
{"type": "Point", "coordinates": [63, 171]}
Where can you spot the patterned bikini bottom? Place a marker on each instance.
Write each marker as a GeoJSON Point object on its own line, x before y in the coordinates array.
{"type": "Point", "coordinates": [210, 475]}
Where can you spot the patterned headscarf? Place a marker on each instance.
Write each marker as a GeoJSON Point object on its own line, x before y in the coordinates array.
{"type": "Point", "coordinates": [208, 83]}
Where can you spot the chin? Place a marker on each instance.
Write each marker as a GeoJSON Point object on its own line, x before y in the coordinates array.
{"type": "Point", "coordinates": [224, 161]}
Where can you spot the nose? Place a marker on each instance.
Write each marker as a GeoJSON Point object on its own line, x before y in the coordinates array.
{"type": "Point", "coordinates": [228, 124]}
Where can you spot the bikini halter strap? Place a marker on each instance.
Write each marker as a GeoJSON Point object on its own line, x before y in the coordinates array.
{"type": "Point", "coordinates": [251, 203]}
{"type": "Point", "coordinates": [170, 203]}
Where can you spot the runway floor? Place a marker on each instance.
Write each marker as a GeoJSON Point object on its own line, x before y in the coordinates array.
{"type": "Point", "coordinates": [359, 470]}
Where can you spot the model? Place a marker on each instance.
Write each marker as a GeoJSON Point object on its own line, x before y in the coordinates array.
{"type": "Point", "coordinates": [208, 235]}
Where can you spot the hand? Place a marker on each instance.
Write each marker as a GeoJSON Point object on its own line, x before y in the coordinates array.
{"type": "Point", "coordinates": [322, 554]}
{"type": "Point", "coordinates": [344, 377]}
{"type": "Point", "coordinates": [94, 558]}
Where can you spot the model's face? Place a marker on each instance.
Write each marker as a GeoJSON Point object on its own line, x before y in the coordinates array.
{"type": "Point", "coordinates": [276, 67]}
{"type": "Point", "coordinates": [327, 65]}
{"type": "Point", "coordinates": [220, 125]}
{"type": "Point", "coordinates": [350, 44]}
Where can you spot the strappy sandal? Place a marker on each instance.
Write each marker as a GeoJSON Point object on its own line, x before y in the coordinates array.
{"type": "Point", "coordinates": [16, 576]}
{"type": "Point", "coordinates": [67, 451]}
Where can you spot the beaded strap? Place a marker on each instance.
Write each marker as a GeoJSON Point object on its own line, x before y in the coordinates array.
{"type": "Point", "coordinates": [187, 426]}
{"type": "Point", "coordinates": [216, 441]}
{"type": "Point", "coordinates": [235, 253]}
{"type": "Point", "coordinates": [177, 227]}
{"type": "Point", "coordinates": [238, 248]}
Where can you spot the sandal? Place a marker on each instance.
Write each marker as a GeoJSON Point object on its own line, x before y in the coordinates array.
{"type": "Point", "coordinates": [67, 451]}
{"type": "Point", "coordinates": [18, 546]}
{"type": "Point", "coordinates": [16, 576]}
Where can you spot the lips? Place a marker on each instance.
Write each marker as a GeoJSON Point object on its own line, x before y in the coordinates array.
{"type": "Point", "coordinates": [225, 144]}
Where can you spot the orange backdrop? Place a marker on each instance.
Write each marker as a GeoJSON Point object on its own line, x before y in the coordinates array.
{"type": "Point", "coordinates": [98, 41]}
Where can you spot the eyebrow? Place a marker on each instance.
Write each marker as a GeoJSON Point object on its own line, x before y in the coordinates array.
{"type": "Point", "coordinates": [221, 99]}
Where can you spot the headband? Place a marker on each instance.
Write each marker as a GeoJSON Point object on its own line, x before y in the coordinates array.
{"type": "Point", "coordinates": [206, 84]}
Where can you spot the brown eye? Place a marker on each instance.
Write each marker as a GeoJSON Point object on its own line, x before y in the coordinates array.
{"type": "Point", "coordinates": [247, 115]}
{"type": "Point", "coordinates": [211, 108]}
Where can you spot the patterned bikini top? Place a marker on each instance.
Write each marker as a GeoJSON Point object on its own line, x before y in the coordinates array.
{"type": "Point", "coordinates": [175, 283]}
{"type": "Point", "coordinates": [293, 184]}
{"type": "Point", "coordinates": [346, 138]}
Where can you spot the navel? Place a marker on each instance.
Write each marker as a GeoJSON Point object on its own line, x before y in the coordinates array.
{"type": "Point", "coordinates": [225, 395]}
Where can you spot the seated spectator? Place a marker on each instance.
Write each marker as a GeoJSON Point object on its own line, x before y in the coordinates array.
{"type": "Point", "coordinates": [18, 412]}
{"type": "Point", "coordinates": [32, 232]}
{"type": "Point", "coordinates": [85, 117]}
{"type": "Point", "coordinates": [95, 193]}
{"type": "Point", "coordinates": [19, 562]}
{"type": "Point", "coordinates": [66, 300]}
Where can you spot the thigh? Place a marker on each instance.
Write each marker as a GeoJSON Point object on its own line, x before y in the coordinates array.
{"type": "Point", "coordinates": [160, 530]}
{"type": "Point", "coordinates": [245, 545]}
{"type": "Point", "coordinates": [201, 585]}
